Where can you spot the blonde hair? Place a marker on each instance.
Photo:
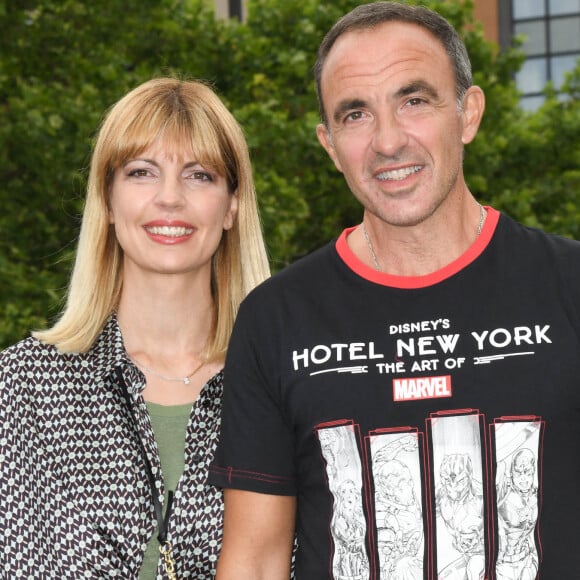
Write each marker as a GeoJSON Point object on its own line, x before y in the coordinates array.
{"type": "Point", "coordinates": [186, 114]}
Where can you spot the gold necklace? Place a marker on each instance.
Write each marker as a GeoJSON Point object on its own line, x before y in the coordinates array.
{"type": "Point", "coordinates": [370, 247]}
{"type": "Point", "coordinates": [185, 380]}
{"type": "Point", "coordinates": [482, 216]}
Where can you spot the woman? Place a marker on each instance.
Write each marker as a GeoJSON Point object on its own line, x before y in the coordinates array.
{"type": "Point", "coordinates": [108, 420]}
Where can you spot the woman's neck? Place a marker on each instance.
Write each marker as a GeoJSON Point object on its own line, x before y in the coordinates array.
{"type": "Point", "coordinates": [165, 314]}
{"type": "Point", "coordinates": [166, 338]}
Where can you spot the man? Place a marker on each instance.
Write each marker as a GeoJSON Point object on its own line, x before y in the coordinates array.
{"type": "Point", "coordinates": [435, 321]}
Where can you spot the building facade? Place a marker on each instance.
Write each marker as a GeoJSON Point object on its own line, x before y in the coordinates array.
{"type": "Point", "coordinates": [230, 9]}
{"type": "Point", "coordinates": [550, 31]}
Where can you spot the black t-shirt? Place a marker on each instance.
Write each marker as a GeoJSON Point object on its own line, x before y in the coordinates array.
{"type": "Point", "coordinates": [430, 426]}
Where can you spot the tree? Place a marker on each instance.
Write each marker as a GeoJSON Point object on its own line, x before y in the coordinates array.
{"type": "Point", "coordinates": [64, 62]}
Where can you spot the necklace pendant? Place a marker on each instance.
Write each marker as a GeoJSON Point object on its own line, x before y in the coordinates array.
{"type": "Point", "coordinates": [186, 381]}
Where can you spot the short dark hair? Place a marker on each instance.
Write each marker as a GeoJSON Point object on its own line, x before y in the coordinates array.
{"type": "Point", "coordinates": [368, 16]}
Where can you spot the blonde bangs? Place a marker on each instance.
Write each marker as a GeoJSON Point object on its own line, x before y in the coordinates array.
{"type": "Point", "coordinates": [171, 118]}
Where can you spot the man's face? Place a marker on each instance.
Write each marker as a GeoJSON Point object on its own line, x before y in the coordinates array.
{"type": "Point", "coordinates": [395, 129]}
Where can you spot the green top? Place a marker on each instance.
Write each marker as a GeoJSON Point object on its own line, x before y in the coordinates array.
{"type": "Point", "coordinates": [169, 426]}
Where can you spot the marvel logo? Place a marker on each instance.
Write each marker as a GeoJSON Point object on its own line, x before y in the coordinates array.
{"type": "Point", "coordinates": [421, 388]}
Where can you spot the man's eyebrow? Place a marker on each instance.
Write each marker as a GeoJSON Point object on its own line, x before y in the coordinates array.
{"type": "Point", "coordinates": [414, 87]}
{"type": "Point", "coordinates": [345, 106]}
{"type": "Point", "coordinates": [421, 87]}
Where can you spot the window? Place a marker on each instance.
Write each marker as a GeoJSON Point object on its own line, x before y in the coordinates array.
{"type": "Point", "coordinates": [551, 32]}
{"type": "Point", "coordinates": [229, 9]}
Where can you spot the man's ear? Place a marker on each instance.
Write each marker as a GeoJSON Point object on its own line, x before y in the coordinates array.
{"type": "Point", "coordinates": [472, 113]}
{"type": "Point", "coordinates": [325, 140]}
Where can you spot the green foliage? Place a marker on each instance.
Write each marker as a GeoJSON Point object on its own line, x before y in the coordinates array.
{"type": "Point", "coordinates": [64, 62]}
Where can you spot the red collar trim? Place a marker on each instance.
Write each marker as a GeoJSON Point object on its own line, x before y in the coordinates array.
{"type": "Point", "coordinates": [410, 282]}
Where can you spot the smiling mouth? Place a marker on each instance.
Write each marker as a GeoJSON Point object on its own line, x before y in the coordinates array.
{"type": "Point", "coordinates": [398, 174]}
{"type": "Point", "coordinates": [169, 231]}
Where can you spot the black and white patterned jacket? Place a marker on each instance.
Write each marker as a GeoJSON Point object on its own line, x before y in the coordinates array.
{"type": "Point", "coordinates": [74, 497]}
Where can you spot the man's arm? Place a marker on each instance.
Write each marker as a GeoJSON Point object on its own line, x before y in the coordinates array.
{"type": "Point", "coordinates": [258, 536]}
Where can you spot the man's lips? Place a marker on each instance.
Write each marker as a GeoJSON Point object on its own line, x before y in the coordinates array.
{"type": "Point", "coordinates": [397, 174]}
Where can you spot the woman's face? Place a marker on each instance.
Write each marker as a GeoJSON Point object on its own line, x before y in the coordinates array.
{"type": "Point", "coordinates": [169, 212]}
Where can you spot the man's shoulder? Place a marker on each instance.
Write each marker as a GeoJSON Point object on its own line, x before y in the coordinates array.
{"type": "Point", "coordinates": [310, 268]}
{"type": "Point", "coordinates": [293, 286]}
{"type": "Point", "coordinates": [532, 236]}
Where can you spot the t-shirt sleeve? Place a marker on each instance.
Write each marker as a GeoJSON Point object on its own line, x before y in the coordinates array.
{"type": "Point", "coordinates": [256, 450]}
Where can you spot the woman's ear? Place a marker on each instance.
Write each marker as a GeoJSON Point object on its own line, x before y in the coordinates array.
{"type": "Point", "coordinates": [232, 211]}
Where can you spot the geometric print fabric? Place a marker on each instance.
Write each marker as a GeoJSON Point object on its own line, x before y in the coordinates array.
{"type": "Point", "coordinates": [75, 501]}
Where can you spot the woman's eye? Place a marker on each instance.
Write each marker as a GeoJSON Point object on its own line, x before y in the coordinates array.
{"type": "Point", "coordinates": [202, 176]}
{"type": "Point", "coordinates": [139, 172]}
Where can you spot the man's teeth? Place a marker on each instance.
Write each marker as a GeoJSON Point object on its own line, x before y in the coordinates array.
{"type": "Point", "coordinates": [398, 174]}
{"type": "Point", "coordinates": [171, 231]}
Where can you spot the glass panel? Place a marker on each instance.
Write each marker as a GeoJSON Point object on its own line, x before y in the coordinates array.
{"type": "Point", "coordinates": [535, 36]}
{"type": "Point", "coordinates": [528, 8]}
{"type": "Point", "coordinates": [564, 6]}
{"type": "Point", "coordinates": [565, 34]}
{"type": "Point", "coordinates": [563, 97]}
{"type": "Point", "coordinates": [533, 76]}
{"type": "Point", "coordinates": [532, 103]}
{"type": "Point", "coordinates": [560, 66]}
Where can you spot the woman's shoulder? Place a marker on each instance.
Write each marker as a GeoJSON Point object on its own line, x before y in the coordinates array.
{"type": "Point", "coordinates": [34, 353]}
{"type": "Point", "coordinates": [27, 350]}
{"type": "Point", "coordinates": [17, 362]}
{"type": "Point", "coordinates": [32, 357]}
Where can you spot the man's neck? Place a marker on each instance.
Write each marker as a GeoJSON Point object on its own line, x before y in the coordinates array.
{"type": "Point", "coordinates": [417, 250]}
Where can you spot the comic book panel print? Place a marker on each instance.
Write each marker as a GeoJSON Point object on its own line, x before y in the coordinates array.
{"type": "Point", "coordinates": [517, 454]}
{"type": "Point", "coordinates": [449, 503]}
{"type": "Point", "coordinates": [458, 459]}
{"type": "Point", "coordinates": [348, 525]}
{"type": "Point", "coordinates": [396, 473]}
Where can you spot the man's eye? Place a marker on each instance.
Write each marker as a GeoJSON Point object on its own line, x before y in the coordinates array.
{"type": "Point", "coordinates": [354, 116]}
{"type": "Point", "coordinates": [413, 102]}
